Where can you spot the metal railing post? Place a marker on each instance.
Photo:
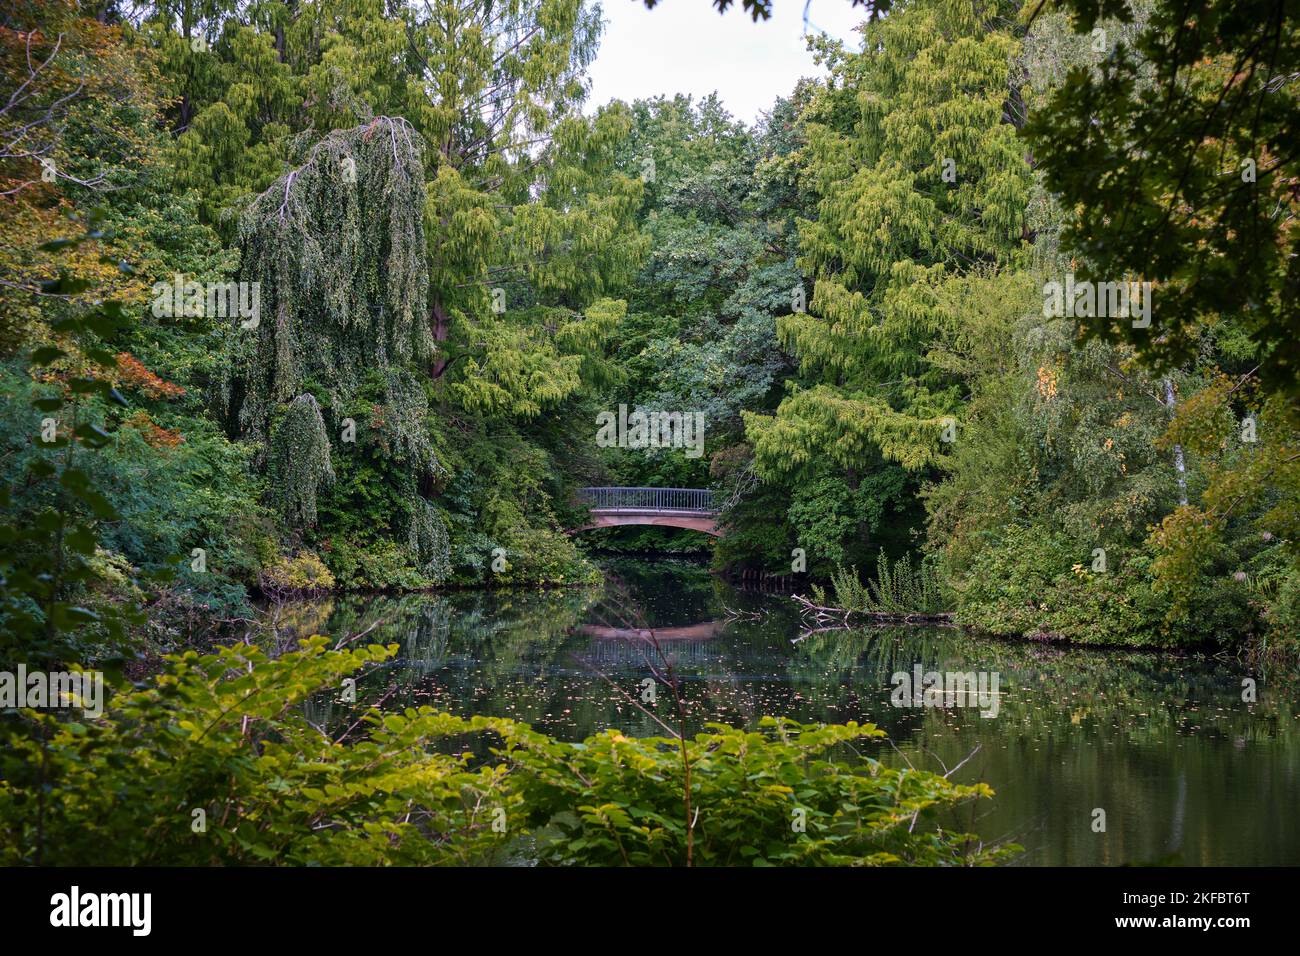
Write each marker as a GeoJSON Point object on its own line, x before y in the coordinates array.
{"type": "Point", "coordinates": [648, 499]}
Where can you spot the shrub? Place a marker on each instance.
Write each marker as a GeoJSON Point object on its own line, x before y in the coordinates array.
{"type": "Point", "coordinates": [542, 556]}
{"type": "Point", "coordinates": [903, 588]}
{"type": "Point", "coordinates": [301, 574]}
{"type": "Point", "coordinates": [373, 565]}
{"type": "Point", "coordinates": [1036, 583]}
{"type": "Point", "coordinates": [216, 762]}
{"type": "Point", "coordinates": [772, 796]}
{"type": "Point", "coordinates": [1281, 644]}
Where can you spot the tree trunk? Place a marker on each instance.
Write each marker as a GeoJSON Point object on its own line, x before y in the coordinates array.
{"type": "Point", "coordinates": [1179, 465]}
{"type": "Point", "coordinates": [441, 322]}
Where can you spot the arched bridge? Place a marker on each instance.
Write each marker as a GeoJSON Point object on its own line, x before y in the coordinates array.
{"type": "Point", "coordinates": [690, 508]}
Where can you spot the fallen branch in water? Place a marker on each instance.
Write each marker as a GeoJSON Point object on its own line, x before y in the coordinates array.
{"type": "Point", "coordinates": [733, 614]}
{"type": "Point", "coordinates": [822, 614]}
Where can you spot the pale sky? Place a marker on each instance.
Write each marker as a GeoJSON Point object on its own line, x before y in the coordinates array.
{"type": "Point", "coordinates": [686, 46]}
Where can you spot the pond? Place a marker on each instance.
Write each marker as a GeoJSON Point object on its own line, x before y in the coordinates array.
{"type": "Point", "coordinates": [1185, 771]}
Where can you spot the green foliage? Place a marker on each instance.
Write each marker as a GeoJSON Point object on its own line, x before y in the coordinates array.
{"type": "Point", "coordinates": [1281, 644]}
{"type": "Point", "coordinates": [299, 461]}
{"type": "Point", "coordinates": [911, 196]}
{"type": "Point", "coordinates": [1067, 446]}
{"type": "Point", "coordinates": [1195, 130]}
{"type": "Point", "coordinates": [900, 587]}
{"type": "Point", "coordinates": [217, 763]}
{"type": "Point", "coordinates": [754, 516]}
{"type": "Point", "coordinates": [774, 796]}
{"type": "Point", "coordinates": [440, 155]}
{"type": "Point", "coordinates": [50, 563]}
{"type": "Point", "coordinates": [392, 177]}
{"type": "Point", "coordinates": [1032, 583]}
{"type": "Point", "coordinates": [224, 734]}
{"type": "Point", "coordinates": [370, 563]}
{"type": "Point", "coordinates": [427, 540]}
{"type": "Point", "coordinates": [542, 556]}
{"type": "Point", "coordinates": [918, 179]}
{"type": "Point", "coordinates": [825, 515]}
{"type": "Point", "coordinates": [720, 265]}
{"type": "Point", "coordinates": [302, 574]}
{"type": "Point", "coordinates": [836, 522]}
{"type": "Point", "coordinates": [168, 500]}
{"type": "Point", "coordinates": [700, 334]}
{"type": "Point", "coordinates": [84, 248]}
{"type": "Point", "coordinates": [337, 247]}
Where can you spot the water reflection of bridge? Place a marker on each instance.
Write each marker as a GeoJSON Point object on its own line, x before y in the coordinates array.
{"type": "Point", "coordinates": [636, 645]}
{"type": "Point", "coordinates": [695, 632]}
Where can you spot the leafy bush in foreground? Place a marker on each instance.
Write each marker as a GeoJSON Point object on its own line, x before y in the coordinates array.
{"type": "Point", "coordinates": [217, 762]}
{"type": "Point", "coordinates": [768, 797]}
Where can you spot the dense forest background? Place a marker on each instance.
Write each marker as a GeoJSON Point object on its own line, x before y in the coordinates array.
{"type": "Point", "coordinates": [459, 268]}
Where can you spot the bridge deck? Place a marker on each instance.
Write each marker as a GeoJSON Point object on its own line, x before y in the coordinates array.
{"type": "Point", "coordinates": [690, 508]}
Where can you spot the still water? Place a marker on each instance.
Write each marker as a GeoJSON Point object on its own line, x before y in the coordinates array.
{"type": "Point", "coordinates": [1186, 772]}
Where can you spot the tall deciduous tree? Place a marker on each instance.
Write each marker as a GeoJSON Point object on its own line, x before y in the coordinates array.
{"type": "Point", "coordinates": [528, 225]}
{"type": "Point", "coordinates": [1176, 161]}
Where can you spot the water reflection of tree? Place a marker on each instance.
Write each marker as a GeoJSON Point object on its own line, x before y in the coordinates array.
{"type": "Point", "coordinates": [486, 652]}
{"type": "Point", "coordinates": [1183, 767]}
{"type": "Point", "coordinates": [1165, 745]}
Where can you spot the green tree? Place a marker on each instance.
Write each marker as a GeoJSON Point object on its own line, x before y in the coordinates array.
{"type": "Point", "coordinates": [919, 179]}
{"type": "Point", "coordinates": [1175, 160]}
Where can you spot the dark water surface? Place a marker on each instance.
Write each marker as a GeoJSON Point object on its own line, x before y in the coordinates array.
{"type": "Point", "coordinates": [1186, 772]}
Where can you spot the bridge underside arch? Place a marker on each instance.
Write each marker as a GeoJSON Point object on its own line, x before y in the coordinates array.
{"type": "Point", "coordinates": [705, 523]}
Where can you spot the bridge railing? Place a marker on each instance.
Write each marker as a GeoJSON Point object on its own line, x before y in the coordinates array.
{"type": "Point", "coordinates": [649, 499]}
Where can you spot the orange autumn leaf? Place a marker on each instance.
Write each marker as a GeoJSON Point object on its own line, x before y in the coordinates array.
{"type": "Point", "coordinates": [131, 372]}
{"type": "Point", "coordinates": [154, 434]}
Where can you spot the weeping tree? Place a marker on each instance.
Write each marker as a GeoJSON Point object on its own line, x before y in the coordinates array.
{"type": "Point", "coordinates": [299, 462]}
{"type": "Point", "coordinates": [428, 542]}
{"type": "Point", "coordinates": [337, 249]}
